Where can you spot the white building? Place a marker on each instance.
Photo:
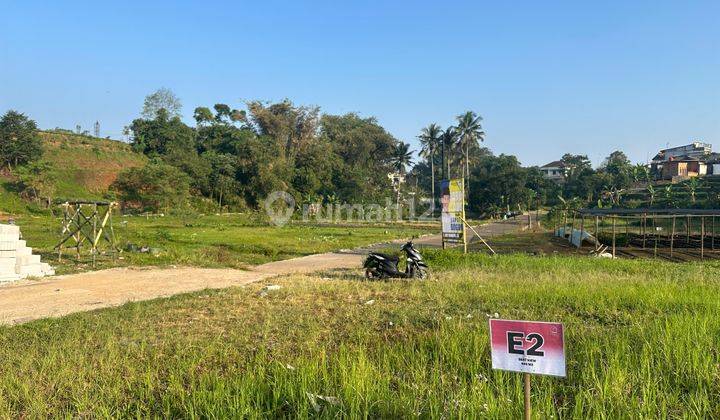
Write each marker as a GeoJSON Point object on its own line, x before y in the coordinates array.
{"type": "Point", "coordinates": [555, 171]}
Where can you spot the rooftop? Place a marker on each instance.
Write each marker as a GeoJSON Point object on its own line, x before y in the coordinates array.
{"type": "Point", "coordinates": [554, 164]}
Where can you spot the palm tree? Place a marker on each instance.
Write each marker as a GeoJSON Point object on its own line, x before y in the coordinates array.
{"type": "Point", "coordinates": [429, 139]}
{"type": "Point", "coordinates": [448, 140]}
{"type": "Point", "coordinates": [401, 157]}
{"type": "Point", "coordinates": [470, 133]}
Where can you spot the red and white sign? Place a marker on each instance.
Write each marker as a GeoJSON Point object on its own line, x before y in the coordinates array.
{"type": "Point", "coordinates": [528, 346]}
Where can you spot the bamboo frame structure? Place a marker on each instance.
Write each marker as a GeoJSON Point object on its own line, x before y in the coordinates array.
{"type": "Point", "coordinates": [675, 234]}
{"type": "Point", "coordinates": [87, 221]}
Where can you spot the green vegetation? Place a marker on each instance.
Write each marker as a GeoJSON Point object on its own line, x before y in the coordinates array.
{"type": "Point", "coordinates": [693, 193]}
{"type": "Point", "coordinates": [212, 241]}
{"type": "Point", "coordinates": [155, 186]}
{"type": "Point", "coordinates": [72, 166]}
{"type": "Point", "coordinates": [84, 166]}
{"type": "Point", "coordinates": [19, 142]}
{"type": "Point", "coordinates": [641, 342]}
{"type": "Point", "coordinates": [236, 158]}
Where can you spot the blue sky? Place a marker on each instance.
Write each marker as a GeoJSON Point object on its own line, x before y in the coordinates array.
{"type": "Point", "coordinates": [580, 77]}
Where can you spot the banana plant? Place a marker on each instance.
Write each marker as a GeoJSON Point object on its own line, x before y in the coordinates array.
{"type": "Point", "coordinates": [692, 186]}
{"type": "Point", "coordinates": [668, 193]}
{"type": "Point", "coordinates": [651, 192]}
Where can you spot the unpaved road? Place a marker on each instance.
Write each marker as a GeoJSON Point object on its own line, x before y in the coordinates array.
{"type": "Point", "coordinates": [61, 295]}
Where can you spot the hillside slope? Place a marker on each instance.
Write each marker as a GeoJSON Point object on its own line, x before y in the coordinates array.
{"type": "Point", "coordinates": [83, 167]}
{"type": "Point", "coordinates": [87, 165]}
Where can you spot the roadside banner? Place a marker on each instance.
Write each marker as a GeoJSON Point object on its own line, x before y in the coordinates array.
{"type": "Point", "coordinates": [453, 210]}
{"type": "Point", "coordinates": [528, 347]}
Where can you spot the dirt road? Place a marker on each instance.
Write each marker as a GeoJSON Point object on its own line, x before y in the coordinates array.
{"type": "Point", "coordinates": [61, 295]}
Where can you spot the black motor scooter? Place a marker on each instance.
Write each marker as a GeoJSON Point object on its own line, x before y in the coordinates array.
{"type": "Point", "coordinates": [381, 266]}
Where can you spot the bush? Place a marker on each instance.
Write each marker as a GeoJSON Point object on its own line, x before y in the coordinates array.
{"type": "Point", "coordinates": [154, 187]}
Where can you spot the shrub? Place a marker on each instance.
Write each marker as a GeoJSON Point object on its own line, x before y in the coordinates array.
{"type": "Point", "coordinates": [154, 187]}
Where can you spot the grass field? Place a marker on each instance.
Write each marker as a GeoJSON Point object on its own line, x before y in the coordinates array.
{"type": "Point", "coordinates": [233, 241]}
{"type": "Point", "coordinates": [641, 341]}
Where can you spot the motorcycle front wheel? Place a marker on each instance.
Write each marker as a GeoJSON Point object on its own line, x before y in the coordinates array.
{"type": "Point", "coordinates": [420, 273]}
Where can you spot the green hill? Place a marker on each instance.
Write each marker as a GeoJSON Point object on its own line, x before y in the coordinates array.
{"type": "Point", "coordinates": [83, 167]}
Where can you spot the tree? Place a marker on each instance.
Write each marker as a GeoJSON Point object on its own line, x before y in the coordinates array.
{"type": "Point", "coordinates": [575, 164]}
{"type": "Point", "coordinates": [162, 98]}
{"type": "Point", "coordinates": [470, 132]}
{"type": "Point", "coordinates": [448, 141]}
{"type": "Point", "coordinates": [259, 170]}
{"type": "Point", "coordinates": [497, 181]}
{"type": "Point", "coordinates": [238, 116]}
{"type": "Point", "coordinates": [401, 157]}
{"type": "Point", "coordinates": [222, 112]}
{"type": "Point", "coordinates": [363, 151]}
{"type": "Point", "coordinates": [223, 115]}
{"type": "Point", "coordinates": [314, 168]}
{"type": "Point", "coordinates": [154, 187]}
{"type": "Point", "coordinates": [546, 189]}
{"type": "Point", "coordinates": [37, 181]}
{"type": "Point", "coordinates": [620, 169]}
{"type": "Point", "coordinates": [203, 115]}
{"type": "Point", "coordinates": [430, 139]}
{"type": "Point", "coordinates": [580, 179]}
{"type": "Point", "coordinates": [222, 175]}
{"type": "Point", "coordinates": [161, 135]}
{"type": "Point", "coordinates": [19, 141]}
{"type": "Point", "coordinates": [170, 139]}
{"type": "Point", "coordinates": [291, 126]}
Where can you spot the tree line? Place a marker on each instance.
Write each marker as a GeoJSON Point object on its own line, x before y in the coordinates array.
{"type": "Point", "coordinates": [236, 157]}
{"type": "Point", "coordinates": [233, 158]}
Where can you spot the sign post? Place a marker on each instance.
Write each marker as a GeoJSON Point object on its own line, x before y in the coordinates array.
{"type": "Point", "coordinates": [452, 198]}
{"type": "Point", "coordinates": [528, 347]}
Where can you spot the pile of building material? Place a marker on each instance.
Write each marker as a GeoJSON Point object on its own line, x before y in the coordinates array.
{"type": "Point", "coordinates": [577, 236]}
{"type": "Point", "coordinates": [16, 258]}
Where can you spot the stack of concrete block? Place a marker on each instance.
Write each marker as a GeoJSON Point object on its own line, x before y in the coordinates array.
{"type": "Point", "coordinates": [16, 258]}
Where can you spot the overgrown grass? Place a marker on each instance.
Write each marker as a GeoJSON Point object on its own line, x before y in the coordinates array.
{"type": "Point", "coordinates": [212, 241]}
{"type": "Point", "coordinates": [81, 167]}
{"type": "Point", "coordinates": [641, 342]}
{"type": "Point", "coordinates": [84, 166]}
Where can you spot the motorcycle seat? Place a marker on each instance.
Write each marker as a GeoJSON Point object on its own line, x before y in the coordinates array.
{"type": "Point", "coordinates": [394, 258]}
